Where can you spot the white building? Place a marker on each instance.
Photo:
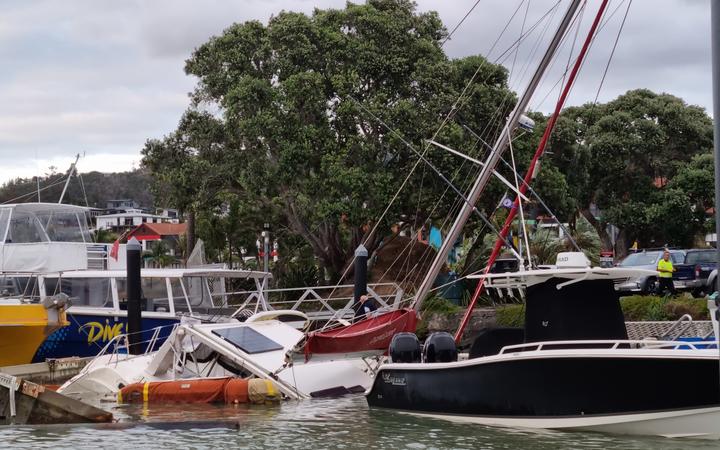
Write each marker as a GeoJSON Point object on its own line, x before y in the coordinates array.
{"type": "Point", "coordinates": [130, 219]}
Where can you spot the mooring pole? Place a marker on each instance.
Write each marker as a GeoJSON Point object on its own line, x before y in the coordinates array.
{"type": "Point", "coordinates": [715, 48]}
{"type": "Point", "coordinates": [134, 292]}
{"type": "Point", "coordinates": [361, 257]}
{"type": "Point", "coordinates": [266, 246]}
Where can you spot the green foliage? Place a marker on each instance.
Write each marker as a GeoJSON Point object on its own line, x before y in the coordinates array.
{"type": "Point", "coordinates": [293, 136]}
{"type": "Point", "coordinates": [510, 315]}
{"type": "Point", "coordinates": [158, 255]}
{"type": "Point", "coordinates": [647, 307]}
{"type": "Point", "coordinates": [642, 160]}
{"type": "Point", "coordinates": [433, 305]}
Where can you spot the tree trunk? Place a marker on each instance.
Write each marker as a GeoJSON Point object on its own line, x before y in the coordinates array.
{"type": "Point", "coordinates": [600, 227]}
{"type": "Point", "coordinates": [621, 245]}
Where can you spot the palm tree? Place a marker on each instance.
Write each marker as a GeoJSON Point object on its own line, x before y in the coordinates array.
{"type": "Point", "coordinates": [158, 255]}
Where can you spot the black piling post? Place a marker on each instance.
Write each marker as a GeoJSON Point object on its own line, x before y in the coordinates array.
{"type": "Point", "coordinates": [134, 292]}
{"type": "Point", "coordinates": [361, 257]}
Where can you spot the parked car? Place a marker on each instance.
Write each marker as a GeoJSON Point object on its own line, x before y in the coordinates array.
{"type": "Point", "coordinates": [693, 275]}
{"type": "Point", "coordinates": [645, 259]}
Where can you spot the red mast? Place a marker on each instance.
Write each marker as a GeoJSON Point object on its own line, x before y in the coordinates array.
{"type": "Point", "coordinates": [531, 169]}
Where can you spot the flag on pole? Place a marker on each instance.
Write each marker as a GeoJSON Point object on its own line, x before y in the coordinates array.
{"type": "Point", "coordinates": [115, 249]}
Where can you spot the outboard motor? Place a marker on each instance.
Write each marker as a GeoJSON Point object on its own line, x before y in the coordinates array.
{"type": "Point", "coordinates": [404, 348]}
{"type": "Point", "coordinates": [440, 347]}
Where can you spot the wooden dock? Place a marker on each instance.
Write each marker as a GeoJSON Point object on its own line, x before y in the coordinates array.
{"type": "Point", "coordinates": [26, 403]}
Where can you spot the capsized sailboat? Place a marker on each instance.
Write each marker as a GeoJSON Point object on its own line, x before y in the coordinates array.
{"type": "Point", "coordinates": [261, 347]}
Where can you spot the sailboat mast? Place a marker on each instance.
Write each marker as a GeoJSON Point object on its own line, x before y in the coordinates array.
{"type": "Point", "coordinates": [493, 159]}
{"type": "Point", "coordinates": [70, 174]}
{"type": "Point", "coordinates": [715, 40]}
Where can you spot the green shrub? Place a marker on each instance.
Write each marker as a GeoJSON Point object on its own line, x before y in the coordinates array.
{"type": "Point", "coordinates": [650, 308]}
{"type": "Point", "coordinates": [510, 315]}
{"type": "Point", "coordinates": [439, 305]}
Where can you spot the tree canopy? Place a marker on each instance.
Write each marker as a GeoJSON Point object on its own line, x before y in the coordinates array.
{"type": "Point", "coordinates": [295, 133]}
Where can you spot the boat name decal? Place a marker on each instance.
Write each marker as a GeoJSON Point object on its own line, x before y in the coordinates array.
{"type": "Point", "coordinates": [382, 337]}
{"type": "Point", "coordinates": [394, 380]}
{"type": "Point", "coordinates": [97, 331]}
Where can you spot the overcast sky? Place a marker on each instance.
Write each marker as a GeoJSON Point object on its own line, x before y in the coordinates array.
{"type": "Point", "coordinates": [99, 77]}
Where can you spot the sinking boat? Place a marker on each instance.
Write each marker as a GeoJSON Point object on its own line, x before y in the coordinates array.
{"type": "Point", "coordinates": [572, 367]}
{"type": "Point", "coordinates": [261, 347]}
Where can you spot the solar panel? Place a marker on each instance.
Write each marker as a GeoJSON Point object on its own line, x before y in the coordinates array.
{"type": "Point", "coordinates": [248, 340]}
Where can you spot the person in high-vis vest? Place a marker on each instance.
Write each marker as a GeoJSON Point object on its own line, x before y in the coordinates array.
{"type": "Point", "coordinates": [666, 269]}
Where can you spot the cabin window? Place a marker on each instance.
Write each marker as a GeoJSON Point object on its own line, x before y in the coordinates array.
{"type": "Point", "coordinates": [95, 292]}
{"type": "Point", "coordinates": [18, 287]}
{"type": "Point", "coordinates": [62, 226]}
{"type": "Point", "coordinates": [25, 228]}
{"type": "Point", "coordinates": [153, 293]}
{"type": "Point", "coordinates": [4, 220]}
{"type": "Point", "coordinates": [198, 291]}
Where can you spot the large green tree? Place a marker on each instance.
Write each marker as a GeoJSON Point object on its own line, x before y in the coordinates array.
{"type": "Point", "coordinates": [300, 101]}
{"type": "Point", "coordinates": [638, 162]}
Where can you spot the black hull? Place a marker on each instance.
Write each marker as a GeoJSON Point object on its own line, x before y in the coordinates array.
{"type": "Point", "coordinates": [550, 386]}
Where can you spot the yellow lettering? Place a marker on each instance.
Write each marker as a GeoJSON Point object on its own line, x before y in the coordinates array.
{"type": "Point", "coordinates": [94, 331]}
{"type": "Point", "coordinates": [97, 331]}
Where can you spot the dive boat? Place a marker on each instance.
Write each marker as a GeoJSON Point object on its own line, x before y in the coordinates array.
{"type": "Point", "coordinates": [260, 347]}
{"type": "Point", "coordinates": [571, 367]}
{"type": "Point", "coordinates": [25, 324]}
{"type": "Point", "coordinates": [46, 249]}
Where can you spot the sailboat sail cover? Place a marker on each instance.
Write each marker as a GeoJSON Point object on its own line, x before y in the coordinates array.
{"type": "Point", "coordinates": [369, 334]}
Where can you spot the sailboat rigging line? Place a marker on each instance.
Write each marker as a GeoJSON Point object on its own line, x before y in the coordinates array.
{"type": "Point", "coordinates": [531, 169]}
{"type": "Point", "coordinates": [447, 38]}
{"type": "Point", "coordinates": [533, 192]}
{"type": "Point", "coordinates": [447, 117]}
{"type": "Point", "coordinates": [458, 202]}
{"type": "Point", "coordinates": [603, 23]}
{"type": "Point", "coordinates": [520, 202]}
{"type": "Point", "coordinates": [480, 163]}
{"type": "Point", "coordinates": [435, 169]}
{"type": "Point", "coordinates": [612, 53]}
{"type": "Point", "coordinates": [522, 28]}
{"type": "Point", "coordinates": [492, 160]}
{"type": "Point", "coordinates": [34, 192]}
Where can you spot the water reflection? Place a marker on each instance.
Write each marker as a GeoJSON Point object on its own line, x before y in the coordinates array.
{"type": "Point", "coordinates": [329, 423]}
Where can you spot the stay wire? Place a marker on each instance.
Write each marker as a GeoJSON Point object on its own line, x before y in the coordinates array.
{"type": "Point", "coordinates": [612, 53]}
{"type": "Point", "coordinates": [432, 166]}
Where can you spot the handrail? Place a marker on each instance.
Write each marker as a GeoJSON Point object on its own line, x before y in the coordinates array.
{"type": "Point", "coordinates": [684, 318]}
{"type": "Point", "coordinates": [612, 344]}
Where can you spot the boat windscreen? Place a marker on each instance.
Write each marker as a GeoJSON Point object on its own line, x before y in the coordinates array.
{"type": "Point", "coordinates": [248, 340]}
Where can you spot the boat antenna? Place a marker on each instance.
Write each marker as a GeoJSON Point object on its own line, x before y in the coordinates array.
{"type": "Point", "coordinates": [73, 167]}
{"type": "Point", "coordinates": [493, 158]}
{"type": "Point", "coordinates": [715, 41]}
{"type": "Point", "coordinates": [37, 178]}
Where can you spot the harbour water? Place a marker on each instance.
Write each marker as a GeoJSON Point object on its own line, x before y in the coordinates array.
{"type": "Point", "coordinates": [316, 424]}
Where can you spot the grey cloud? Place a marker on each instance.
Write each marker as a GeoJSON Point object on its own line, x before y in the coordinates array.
{"type": "Point", "coordinates": [103, 76]}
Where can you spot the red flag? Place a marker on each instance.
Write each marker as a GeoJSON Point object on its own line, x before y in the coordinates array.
{"type": "Point", "coordinates": [114, 250]}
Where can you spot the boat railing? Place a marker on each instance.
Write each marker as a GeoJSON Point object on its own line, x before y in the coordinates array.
{"type": "Point", "coordinates": [120, 345]}
{"type": "Point", "coordinates": [319, 302]}
{"type": "Point", "coordinates": [682, 325]}
{"type": "Point", "coordinates": [607, 345]}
